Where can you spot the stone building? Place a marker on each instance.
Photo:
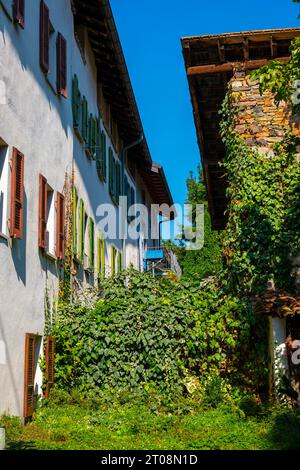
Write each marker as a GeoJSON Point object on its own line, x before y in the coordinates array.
{"type": "Point", "coordinates": [214, 65]}
{"type": "Point", "coordinates": [71, 138]}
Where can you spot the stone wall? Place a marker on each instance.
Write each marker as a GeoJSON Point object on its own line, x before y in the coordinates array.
{"type": "Point", "coordinates": [259, 121]}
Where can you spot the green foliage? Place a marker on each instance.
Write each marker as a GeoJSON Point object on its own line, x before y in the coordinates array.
{"type": "Point", "coordinates": [280, 78]}
{"type": "Point", "coordinates": [133, 425]}
{"type": "Point", "coordinates": [264, 208]}
{"type": "Point", "coordinates": [13, 427]}
{"type": "Point", "coordinates": [198, 264]}
{"type": "Point", "coordinates": [149, 334]}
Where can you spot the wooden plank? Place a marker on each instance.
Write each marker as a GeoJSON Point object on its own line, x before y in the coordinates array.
{"type": "Point", "coordinates": [229, 66]}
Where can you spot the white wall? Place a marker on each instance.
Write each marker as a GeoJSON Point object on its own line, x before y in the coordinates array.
{"type": "Point", "coordinates": [40, 124]}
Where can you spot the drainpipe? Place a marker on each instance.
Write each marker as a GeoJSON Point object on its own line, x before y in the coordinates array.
{"type": "Point", "coordinates": [123, 157]}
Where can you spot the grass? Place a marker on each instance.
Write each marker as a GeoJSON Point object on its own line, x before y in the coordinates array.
{"type": "Point", "coordinates": [135, 426]}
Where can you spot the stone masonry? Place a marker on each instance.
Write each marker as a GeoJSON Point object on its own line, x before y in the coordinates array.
{"type": "Point", "coordinates": [259, 122]}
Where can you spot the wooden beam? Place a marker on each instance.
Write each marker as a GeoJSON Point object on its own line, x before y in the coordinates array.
{"type": "Point", "coordinates": [230, 66]}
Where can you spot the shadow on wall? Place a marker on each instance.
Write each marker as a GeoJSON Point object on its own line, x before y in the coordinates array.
{"type": "Point", "coordinates": [27, 41]}
{"type": "Point", "coordinates": [49, 265]}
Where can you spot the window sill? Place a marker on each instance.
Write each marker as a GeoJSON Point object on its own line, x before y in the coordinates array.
{"type": "Point", "coordinates": [50, 256]}
{"type": "Point", "coordinates": [89, 271]}
{"type": "Point", "coordinates": [77, 260]}
{"type": "Point", "coordinates": [78, 134]}
{"type": "Point", "coordinates": [114, 201]}
{"type": "Point", "coordinates": [3, 236]}
{"type": "Point", "coordinates": [50, 84]}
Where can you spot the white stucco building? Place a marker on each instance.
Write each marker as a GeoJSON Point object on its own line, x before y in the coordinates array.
{"type": "Point", "coordinates": [71, 139]}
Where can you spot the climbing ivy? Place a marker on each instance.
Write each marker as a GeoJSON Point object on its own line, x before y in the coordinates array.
{"type": "Point", "coordinates": [146, 333]}
{"type": "Point", "coordinates": [282, 79]}
{"type": "Point", "coordinates": [263, 229]}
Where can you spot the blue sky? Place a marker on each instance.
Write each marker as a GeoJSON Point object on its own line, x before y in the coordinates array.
{"type": "Point", "coordinates": [150, 32]}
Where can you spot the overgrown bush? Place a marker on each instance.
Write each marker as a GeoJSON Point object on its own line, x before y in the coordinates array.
{"type": "Point", "coordinates": [148, 334]}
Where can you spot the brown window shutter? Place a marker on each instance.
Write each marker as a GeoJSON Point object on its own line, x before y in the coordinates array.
{"type": "Point", "coordinates": [17, 195]}
{"type": "Point", "coordinates": [61, 65]}
{"type": "Point", "coordinates": [19, 12]}
{"type": "Point", "coordinates": [60, 225]}
{"type": "Point", "coordinates": [29, 375]}
{"type": "Point", "coordinates": [42, 212]}
{"type": "Point", "coordinates": [49, 365]}
{"type": "Point", "coordinates": [44, 36]}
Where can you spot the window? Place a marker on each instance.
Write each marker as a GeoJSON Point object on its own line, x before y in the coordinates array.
{"type": "Point", "coordinates": [19, 12]}
{"type": "Point", "coordinates": [61, 69]}
{"type": "Point", "coordinates": [42, 212]}
{"type": "Point", "coordinates": [105, 111]}
{"type": "Point", "coordinates": [113, 259]}
{"type": "Point", "coordinates": [60, 226]}
{"type": "Point", "coordinates": [84, 120]}
{"type": "Point", "coordinates": [52, 70]}
{"type": "Point", "coordinates": [91, 253]}
{"type": "Point", "coordinates": [130, 193]}
{"type": "Point", "coordinates": [4, 172]}
{"type": "Point", "coordinates": [44, 37]}
{"type": "Point", "coordinates": [101, 155]}
{"type": "Point", "coordinates": [50, 222]}
{"type": "Point", "coordinates": [17, 195]}
{"type": "Point", "coordinates": [53, 53]}
{"type": "Point", "coordinates": [81, 230]}
{"type": "Point", "coordinates": [115, 177]}
{"type": "Point", "coordinates": [86, 257]}
{"type": "Point", "coordinates": [92, 138]}
{"type": "Point", "coordinates": [76, 103]}
{"type": "Point", "coordinates": [46, 232]}
{"type": "Point", "coordinates": [75, 204]}
{"type": "Point", "coordinates": [32, 351]}
{"type": "Point", "coordinates": [120, 261]}
{"type": "Point", "coordinates": [101, 251]}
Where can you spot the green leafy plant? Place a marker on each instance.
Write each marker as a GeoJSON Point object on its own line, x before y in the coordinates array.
{"type": "Point", "coordinates": [145, 334]}
{"type": "Point", "coordinates": [263, 230]}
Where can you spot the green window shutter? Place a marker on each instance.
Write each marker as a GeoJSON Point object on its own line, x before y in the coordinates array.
{"type": "Point", "coordinates": [120, 261]}
{"type": "Point", "coordinates": [85, 121]}
{"type": "Point", "coordinates": [103, 257]}
{"type": "Point", "coordinates": [119, 181]}
{"type": "Point", "coordinates": [126, 193]}
{"type": "Point", "coordinates": [89, 137]}
{"type": "Point", "coordinates": [75, 202]}
{"type": "Point", "coordinates": [98, 152]}
{"type": "Point", "coordinates": [91, 243]}
{"type": "Point", "coordinates": [92, 137]}
{"type": "Point", "coordinates": [104, 170]}
{"type": "Point", "coordinates": [113, 260]}
{"type": "Point", "coordinates": [81, 230]}
{"type": "Point", "coordinates": [75, 102]}
{"type": "Point", "coordinates": [114, 179]}
{"type": "Point", "coordinates": [111, 172]}
{"type": "Point", "coordinates": [99, 257]}
{"type": "Point", "coordinates": [129, 200]}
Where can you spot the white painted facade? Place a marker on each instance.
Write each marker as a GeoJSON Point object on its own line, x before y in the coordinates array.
{"type": "Point", "coordinates": [39, 123]}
